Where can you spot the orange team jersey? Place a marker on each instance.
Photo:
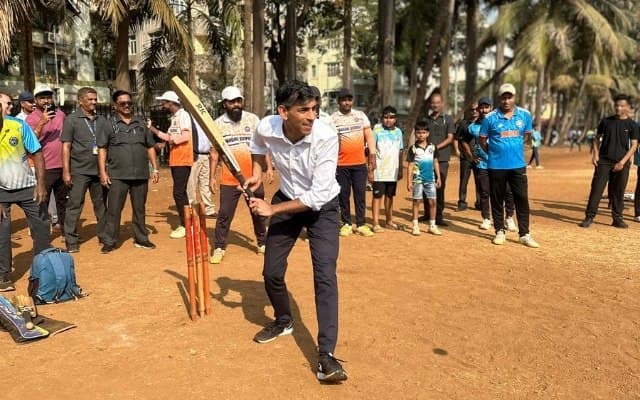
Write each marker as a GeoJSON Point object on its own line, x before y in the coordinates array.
{"type": "Point", "coordinates": [351, 129]}
{"type": "Point", "coordinates": [238, 135]}
{"type": "Point", "coordinates": [181, 154]}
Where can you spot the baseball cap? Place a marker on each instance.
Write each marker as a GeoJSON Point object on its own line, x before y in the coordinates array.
{"type": "Point", "coordinates": [231, 93]}
{"type": "Point", "coordinates": [506, 88]}
{"type": "Point", "coordinates": [344, 92]}
{"type": "Point", "coordinates": [42, 90]}
{"type": "Point", "coordinates": [169, 95]}
{"type": "Point", "coordinates": [25, 96]}
{"type": "Point", "coordinates": [485, 100]}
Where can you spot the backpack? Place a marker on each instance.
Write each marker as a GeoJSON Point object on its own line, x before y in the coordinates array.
{"type": "Point", "coordinates": [53, 277]}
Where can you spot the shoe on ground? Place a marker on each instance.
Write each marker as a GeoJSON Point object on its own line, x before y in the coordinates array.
{"type": "Point", "coordinates": [261, 249]}
{"type": "Point", "coordinates": [144, 245]}
{"type": "Point", "coordinates": [528, 241]}
{"type": "Point", "coordinates": [73, 249]}
{"type": "Point", "coordinates": [210, 212]}
{"type": "Point", "coordinates": [378, 229]}
{"type": "Point", "coordinates": [329, 369]}
{"type": "Point", "coordinates": [500, 238]}
{"type": "Point", "coordinates": [586, 222]}
{"type": "Point", "coordinates": [7, 286]}
{"type": "Point", "coordinates": [364, 230]}
{"type": "Point", "coordinates": [539, 167]}
{"type": "Point", "coordinates": [637, 219]}
{"type": "Point", "coordinates": [485, 225]}
{"type": "Point", "coordinates": [416, 230]}
{"type": "Point", "coordinates": [271, 332]}
{"type": "Point", "coordinates": [391, 225]}
{"type": "Point", "coordinates": [442, 223]}
{"type": "Point", "coordinates": [346, 230]}
{"type": "Point", "coordinates": [107, 248]}
{"type": "Point", "coordinates": [618, 223]}
{"type": "Point", "coordinates": [511, 225]}
{"type": "Point", "coordinates": [433, 229]}
{"type": "Point", "coordinates": [218, 255]}
{"type": "Point", "coordinates": [461, 207]}
{"type": "Point", "coordinates": [178, 233]}
{"type": "Point", "coordinates": [528, 166]}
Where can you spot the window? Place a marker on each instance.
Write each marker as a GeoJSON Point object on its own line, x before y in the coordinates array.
{"type": "Point", "coordinates": [133, 46]}
{"type": "Point", "coordinates": [333, 69]}
{"type": "Point", "coordinates": [313, 71]}
{"type": "Point", "coordinates": [178, 6]}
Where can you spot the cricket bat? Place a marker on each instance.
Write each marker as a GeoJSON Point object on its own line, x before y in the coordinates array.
{"type": "Point", "coordinates": [194, 106]}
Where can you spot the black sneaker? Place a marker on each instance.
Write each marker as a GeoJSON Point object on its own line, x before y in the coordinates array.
{"type": "Point", "coordinates": [107, 248]}
{"type": "Point", "coordinates": [144, 245]}
{"type": "Point", "coordinates": [329, 369]}
{"type": "Point", "coordinates": [7, 286]}
{"type": "Point", "coordinates": [73, 249]}
{"type": "Point", "coordinates": [618, 223]}
{"type": "Point", "coordinates": [461, 207]}
{"type": "Point", "coordinates": [441, 223]}
{"type": "Point", "coordinates": [586, 222]}
{"type": "Point", "coordinates": [271, 332]}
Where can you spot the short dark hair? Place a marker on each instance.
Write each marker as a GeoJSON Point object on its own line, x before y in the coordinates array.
{"type": "Point", "coordinates": [83, 91]}
{"type": "Point", "coordinates": [622, 96]}
{"type": "Point", "coordinates": [294, 92]}
{"type": "Point", "coordinates": [389, 110]}
{"type": "Point", "coordinates": [119, 93]}
{"type": "Point", "coordinates": [422, 125]}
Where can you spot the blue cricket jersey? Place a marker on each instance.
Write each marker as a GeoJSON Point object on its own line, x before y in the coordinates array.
{"type": "Point", "coordinates": [506, 138]}
{"type": "Point", "coordinates": [474, 130]}
{"type": "Point", "coordinates": [422, 159]}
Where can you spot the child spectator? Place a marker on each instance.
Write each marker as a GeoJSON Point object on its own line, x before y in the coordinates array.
{"type": "Point", "coordinates": [388, 171]}
{"type": "Point", "coordinates": [425, 176]}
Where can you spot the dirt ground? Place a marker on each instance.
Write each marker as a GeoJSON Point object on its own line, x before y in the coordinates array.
{"type": "Point", "coordinates": [450, 317]}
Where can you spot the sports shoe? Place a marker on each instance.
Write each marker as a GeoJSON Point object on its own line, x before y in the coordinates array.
{"type": "Point", "coordinates": [618, 223]}
{"type": "Point", "coordinates": [500, 238]}
{"type": "Point", "coordinates": [73, 249]}
{"type": "Point", "coordinates": [261, 249]}
{"type": "Point", "coordinates": [330, 369]}
{"type": "Point", "coordinates": [378, 229]}
{"type": "Point", "coordinates": [346, 230]}
{"type": "Point", "coordinates": [416, 230]}
{"type": "Point", "coordinates": [539, 167]}
{"type": "Point", "coordinates": [271, 332]}
{"type": "Point", "coordinates": [586, 222]}
{"type": "Point", "coordinates": [218, 255]}
{"type": "Point", "coordinates": [637, 219]}
{"type": "Point", "coordinates": [528, 241]}
{"type": "Point", "coordinates": [364, 230]}
{"type": "Point", "coordinates": [461, 206]}
{"type": "Point", "coordinates": [511, 225]}
{"type": "Point", "coordinates": [433, 229]}
{"type": "Point", "coordinates": [485, 225]}
{"type": "Point", "coordinates": [107, 248]}
{"type": "Point", "coordinates": [7, 286]}
{"type": "Point", "coordinates": [178, 233]}
{"type": "Point", "coordinates": [144, 245]}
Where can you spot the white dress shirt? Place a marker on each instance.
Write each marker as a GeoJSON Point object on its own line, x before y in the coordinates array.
{"type": "Point", "coordinates": [308, 167]}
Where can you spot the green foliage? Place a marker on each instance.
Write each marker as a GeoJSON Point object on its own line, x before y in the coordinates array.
{"type": "Point", "coordinates": [101, 40]}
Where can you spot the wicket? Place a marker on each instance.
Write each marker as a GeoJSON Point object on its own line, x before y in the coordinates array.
{"type": "Point", "coordinates": [197, 262]}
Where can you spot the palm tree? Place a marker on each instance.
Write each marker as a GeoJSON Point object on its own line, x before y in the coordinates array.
{"type": "Point", "coordinates": [346, 43]}
{"type": "Point", "coordinates": [11, 14]}
{"type": "Point", "coordinates": [258, 57]}
{"type": "Point", "coordinates": [386, 44]}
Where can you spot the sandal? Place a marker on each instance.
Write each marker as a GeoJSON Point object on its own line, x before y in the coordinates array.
{"type": "Point", "coordinates": [378, 229]}
{"type": "Point", "coordinates": [391, 225]}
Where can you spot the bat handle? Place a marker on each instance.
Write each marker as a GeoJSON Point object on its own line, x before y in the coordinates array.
{"type": "Point", "coordinates": [26, 314]}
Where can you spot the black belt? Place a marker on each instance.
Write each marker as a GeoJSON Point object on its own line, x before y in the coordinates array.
{"type": "Point", "coordinates": [203, 154]}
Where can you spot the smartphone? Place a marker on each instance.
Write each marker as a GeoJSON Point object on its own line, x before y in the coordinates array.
{"type": "Point", "coordinates": [51, 109]}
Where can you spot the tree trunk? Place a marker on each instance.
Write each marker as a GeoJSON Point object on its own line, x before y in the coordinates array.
{"type": "Point", "coordinates": [191, 65]}
{"type": "Point", "coordinates": [123, 81]}
{"type": "Point", "coordinates": [446, 59]}
{"type": "Point", "coordinates": [500, 45]}
{"type": "Point", "coordinates": [434, 45]}
{"type": "Point", "coordinates": [258, 57]}
{"type": "Point", "coordinates": [539, 93]}
{"type": "Point", "coordinates": [554, 121]}
{"type": "Point", "coordinates": [471, 59]}
{"type": "Point", "coordinates": [346, 61]}
{"type": "Point", "coordinates": [247, 52]}
{"type": "Point", "coordinates": [570, 115]}
{"type": "Point", "coordinates": [291, 41]}
{"type": "Point", "coordinates": [413, 74]}
{"type": "Point", "coordinates": [386, 43]}
{"type": "Point", "coordinates": [27, 57]}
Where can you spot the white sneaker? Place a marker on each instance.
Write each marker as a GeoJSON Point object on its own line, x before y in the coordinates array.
{"type": "Point", "coordinates": [178, 233]}
{"type": "Point", "coordinates": [539, 167]}
{"type": "Point", "coordinates": [485, 225]}
{"type": "Point", "coordinates": [218, 255]}
{"type": "Point", "coordinates": [500, 238]}
{"type": "Point", "coordinates": [416, 230]}
{"type": "Point", "coordinates": [433, 229]}
{"type": "Point", "coordinates": [637, 219]}
{"type": "Point", "coordinates": [511, 225]}
{"type": "Point", "coordinates": [528, 241]}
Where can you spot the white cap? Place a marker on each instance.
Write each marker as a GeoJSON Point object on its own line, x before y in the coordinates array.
{"type": "Point", "coordinates": [42, 89]}
{"type": "Point", "coordinates": [506, 88]}
{"type": "Point", "coordinates": [231, 93]}
{"type": "Point", "coordinates": [169, 95]}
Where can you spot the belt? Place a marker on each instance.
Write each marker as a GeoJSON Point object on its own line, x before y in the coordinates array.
{"type": "Point", "coordinates": [203, 154]}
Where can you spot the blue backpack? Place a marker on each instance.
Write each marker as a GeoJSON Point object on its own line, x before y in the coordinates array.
{"type": "Point", "coordinates": [53, 277]}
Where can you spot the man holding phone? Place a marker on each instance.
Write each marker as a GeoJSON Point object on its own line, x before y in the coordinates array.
{"type": "Point", "coordinates": [46, 123]}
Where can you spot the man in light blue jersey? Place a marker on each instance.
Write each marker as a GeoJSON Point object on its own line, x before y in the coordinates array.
{"type": "Point", "coordinates": [502, 135]}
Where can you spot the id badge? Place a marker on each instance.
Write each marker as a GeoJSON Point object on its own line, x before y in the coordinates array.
{"type": "Point", "coordinates": [95, 149]}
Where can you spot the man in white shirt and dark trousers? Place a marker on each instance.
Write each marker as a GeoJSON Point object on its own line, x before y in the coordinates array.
{"type": "Point", "coordinates": [305, 151]}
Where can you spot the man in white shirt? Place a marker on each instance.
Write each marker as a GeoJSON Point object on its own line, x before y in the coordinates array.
{"type": "Point", "coordinates": [27, 104]}
{"type": "Point", "coordinates": [305, 151]}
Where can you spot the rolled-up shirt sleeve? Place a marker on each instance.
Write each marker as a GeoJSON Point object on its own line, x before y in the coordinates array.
{"type": "Point", "coordinates": [323, 186]}
{"type": "Point", "coordinates": [257, 144]}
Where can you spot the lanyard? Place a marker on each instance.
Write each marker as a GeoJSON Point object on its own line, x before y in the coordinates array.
{"type": "Point", "coordinates": [92, 126]}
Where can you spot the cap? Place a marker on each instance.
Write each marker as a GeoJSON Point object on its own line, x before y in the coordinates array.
{"type": "Point", "coordinates": [25, 96]}
{"type": "Point", "coordinates": [169, 95]}
{"type": "Point", "coordinates": [344, 92]}
{"type": "Point", "coordinates": [485, 100]}
{"type": "Point", "coordinates": [231, 93]}
{"type": "Point", "coordinates": [506, 88]}
{"type": "Point", "coordinates": [42, 89]}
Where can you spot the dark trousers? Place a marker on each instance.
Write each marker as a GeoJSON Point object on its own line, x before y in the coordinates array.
{"type": "Point", "coordinates": [322, 230]}
{"type": "Point", "coordinates": [352, 177]}
{"type": "Point", "coordinates": [53, 181]}
{"type": "Point", "coordinates": [38, 222]}
{"type": "Point", "coordinates": [499, 180]}
{"type": "Point", "coordinates": [137, 190]}
{"type": "Point", "coordinates": [466, 166]}
{"type": "Point", "coordinates": [482, 184]}
{"type": "Point", "coordinates": [180, 176]}
{"type": "Point", "coordinates": [444, 170]}
{"type": "Point", "coordinates": [534, 156]}
{"type": "Point", "coordinates": [229, 197]}
{"type": "Point", "coordinates": [98, 194]}
{"type": "Point", "coordinates": [636, 199]}
{"type": "Point", "coordinates": [617, 183]}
